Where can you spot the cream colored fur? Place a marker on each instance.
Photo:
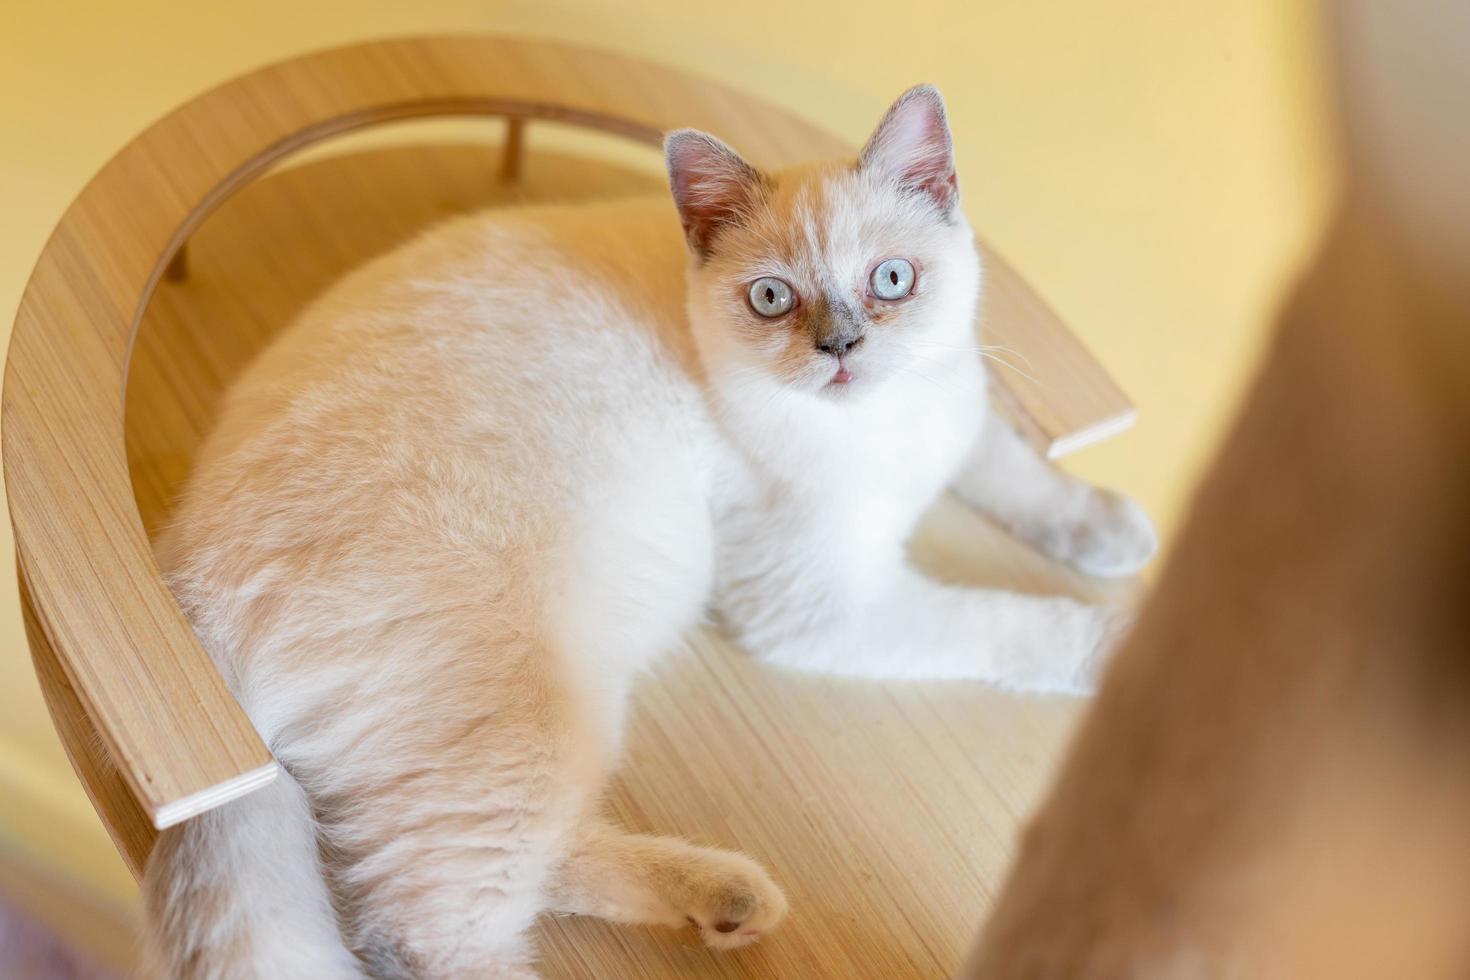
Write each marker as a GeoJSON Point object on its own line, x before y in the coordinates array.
{"type": "Point", "coordinates": [454, 510]}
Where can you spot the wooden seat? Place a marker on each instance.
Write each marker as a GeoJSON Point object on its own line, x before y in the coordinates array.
{"type": "Point", "coordinates": [886, 811]}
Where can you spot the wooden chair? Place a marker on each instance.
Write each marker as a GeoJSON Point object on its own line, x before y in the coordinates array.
{"type": "Point", "coordinates": [887, 811]}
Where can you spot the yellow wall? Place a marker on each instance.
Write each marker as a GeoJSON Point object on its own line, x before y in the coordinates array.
{"type": "Point", "coordinates": [1154, 167]}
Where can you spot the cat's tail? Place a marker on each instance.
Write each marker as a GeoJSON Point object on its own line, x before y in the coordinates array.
{"type": "Point", "coordinates": [238, 893]}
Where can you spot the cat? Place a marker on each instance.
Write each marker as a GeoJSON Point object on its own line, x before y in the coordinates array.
{"type": "Point", "coordinates": [449, 515]}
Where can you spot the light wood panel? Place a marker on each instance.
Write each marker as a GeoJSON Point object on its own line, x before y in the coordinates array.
{"type": "Point", "coordinates": [1047, 381]}
{"type": "Point", "coordinates": [127, 823]}
{"type": "Point", "coordinates": [886, 810]}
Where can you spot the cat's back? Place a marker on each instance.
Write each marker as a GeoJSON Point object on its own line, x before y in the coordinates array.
{"type": "Point", "coordinates": [557, 303]}
{"type": "Point", "coordinates": [490, 332]}
{"type": "Point", "coordinates": [454, 416]}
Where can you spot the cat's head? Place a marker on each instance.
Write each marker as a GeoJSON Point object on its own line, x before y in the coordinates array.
{"type": "Point", "coordinates": [831, 278]}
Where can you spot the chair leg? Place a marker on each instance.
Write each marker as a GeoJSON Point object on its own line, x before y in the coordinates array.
{"type": "Point", "coordinates": [515, 145]}
{"type": "Point", "coordinates": [178, 266]}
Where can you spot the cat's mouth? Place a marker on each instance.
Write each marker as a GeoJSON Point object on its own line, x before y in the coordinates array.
{"type": "Point", "coordinates": [843, 380]}
{"type": "Point", "coordinates": [837, 376]}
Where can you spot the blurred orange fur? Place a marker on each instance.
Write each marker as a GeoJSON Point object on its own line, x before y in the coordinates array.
{"type": "Point", "coordinates": [1274, 781]}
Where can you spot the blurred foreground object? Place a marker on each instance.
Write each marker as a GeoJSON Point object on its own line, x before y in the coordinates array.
{"type": "Point", "coordinates": [1275, 778]}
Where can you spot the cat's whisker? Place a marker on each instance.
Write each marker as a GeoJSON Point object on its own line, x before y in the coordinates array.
{"type": "Point", "coordinates": [939, 345]}
{"type": "Point", "coordinates": [1025, 374]}
{"type": "Point", "coordinates": [935, 382]}
{"type": "Point", "coordinates": [984, 350]}
{"type": "Point", "coordinates": [993, 350]}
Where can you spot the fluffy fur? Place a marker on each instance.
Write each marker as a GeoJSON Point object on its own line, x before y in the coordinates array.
{"type": "Point", "coordinates": [451, 513]}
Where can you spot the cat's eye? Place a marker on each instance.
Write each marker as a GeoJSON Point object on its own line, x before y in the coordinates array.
{"type": "Point", "coordinates": [893, 279]}
{"type": "Point", "coordinates": [770, 297]}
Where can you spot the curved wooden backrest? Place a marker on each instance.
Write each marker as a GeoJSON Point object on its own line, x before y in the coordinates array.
{"type": "Point", "coordinates": [180, 741]}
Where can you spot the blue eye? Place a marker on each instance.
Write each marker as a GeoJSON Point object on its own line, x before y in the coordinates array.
{"type": "Point", "coordinates": [893, 279]}
{"type": "Point", "coordinates": [770, 297]}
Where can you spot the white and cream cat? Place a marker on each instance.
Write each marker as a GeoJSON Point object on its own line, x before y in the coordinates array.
{"type": "Point", "coordinates": [448, 516]}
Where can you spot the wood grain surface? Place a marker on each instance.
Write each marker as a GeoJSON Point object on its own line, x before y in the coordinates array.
{"type": "Point", "coordinates": [1048, 382]}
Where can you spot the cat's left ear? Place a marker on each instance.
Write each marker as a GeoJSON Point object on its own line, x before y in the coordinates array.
{"type": "Point", "coordinates": [912, 147]}
{"type": "Point", "coordinates": [712, 185]}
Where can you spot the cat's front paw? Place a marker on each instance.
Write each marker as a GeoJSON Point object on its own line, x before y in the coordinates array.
{"type": "Point", "coordinates": [1114, 537]}
{"type": "Point", "coordinates": [733, 902]}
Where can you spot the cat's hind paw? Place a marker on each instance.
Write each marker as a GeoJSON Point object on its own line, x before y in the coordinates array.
{"type": "Point", "coordinates": [734, 902]}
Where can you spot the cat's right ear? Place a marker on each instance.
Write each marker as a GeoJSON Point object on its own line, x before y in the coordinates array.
{"type": "Point", "coordinates": [712, 185]}
{"type": "Point", "coordinates": [912, 147]}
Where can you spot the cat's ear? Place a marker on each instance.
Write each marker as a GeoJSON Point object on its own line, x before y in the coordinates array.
{"type": "Point", "coordinates": [712, 185]}
{"type": "Point", "coordinates": [912, 147]}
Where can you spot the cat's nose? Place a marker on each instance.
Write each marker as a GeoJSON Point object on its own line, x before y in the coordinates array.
{"type": "Point", "coordinates": [838, 344]}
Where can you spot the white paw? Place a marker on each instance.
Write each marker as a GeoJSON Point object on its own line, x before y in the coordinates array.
{"type": "Point", "coordinates": [734, 901]}
{"type": "Point", "coordinates": [1114, 538]}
